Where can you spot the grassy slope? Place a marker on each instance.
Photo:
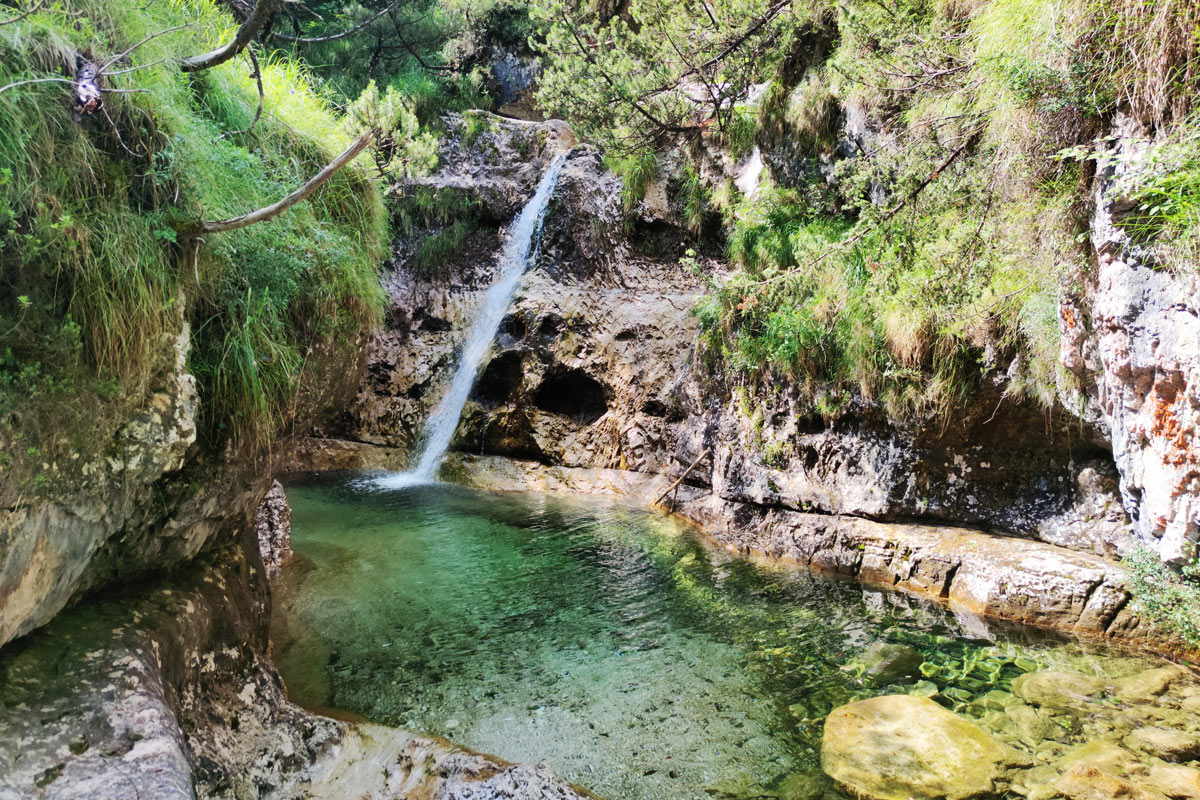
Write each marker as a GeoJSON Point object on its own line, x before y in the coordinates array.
{"type": "Point", "coordinates": [935, 256]}
{"type": "Point", "coordinates": [91, 278]}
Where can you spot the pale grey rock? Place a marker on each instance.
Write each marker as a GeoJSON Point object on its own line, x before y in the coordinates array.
{"type": "Point", "coordinates": [1133, 340]}
{"type": "Point", "coordinates": [273, 526]}
{"type": "Point", "coordinates": [53, 546]}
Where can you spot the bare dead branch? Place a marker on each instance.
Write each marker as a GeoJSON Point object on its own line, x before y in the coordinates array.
{"type": "Point", "coordinates": [117, 133]}
{"type": "Point", "coordinates": [34, 80]}
{"type": "Point", "coordinates": [135, 69]}
{"type": "Point", "coordinates": [264, 11]}
{"type": "Point", "coordinates": [129, 50]}
{"type": "Point", "coordinates": [412, 51]}
{"type": "Point", "coordinates": [267, 212]}
{"type": "Point", "coordinates": [335, 36]}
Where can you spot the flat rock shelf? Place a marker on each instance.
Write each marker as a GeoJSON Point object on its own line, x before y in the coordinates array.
{"type": "Point", "coordinates": [615, 646]}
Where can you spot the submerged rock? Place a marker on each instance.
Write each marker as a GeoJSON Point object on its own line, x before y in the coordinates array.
{"type": "Point", "coordinates": [1085, 782]}
{"type": "Point", "coordinates": [802, 786]}
{"type": "Point", "coordinates": [1028, 724]}
{"type": "Point", "coordinates": [885, 662]}
{"type": "Point", "coordinates": [1175, 780]}
{"type": "Point", "coordinates": [1168, 744]}
{"type": "Point", "coordinates": [1056, 689]}
{"type": "Point", "coordinates": [896, 747]}
{"type": "Point", "coordinates": [1149, 684]}
{"type": "Point", "coordinates": [1101, 754]}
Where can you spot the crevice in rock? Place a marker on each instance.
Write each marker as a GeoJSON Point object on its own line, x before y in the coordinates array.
{"type": "Point", "coordinates": [1116, 613]}
{"type": "Point", "coordinates": [950, 573]}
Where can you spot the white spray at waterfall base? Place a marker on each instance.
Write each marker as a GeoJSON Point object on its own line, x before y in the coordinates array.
{"type": "Point", "coordinates": [519, 252]}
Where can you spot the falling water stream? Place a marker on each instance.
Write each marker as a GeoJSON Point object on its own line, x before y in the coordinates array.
{"type": "Point", "coordinates": [518, 252]}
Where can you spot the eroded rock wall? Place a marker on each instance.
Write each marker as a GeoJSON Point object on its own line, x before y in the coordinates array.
{"type": "Point", "coordinates": [1132, 338]}
{"type": "Point", "coordinates": [154, 499]}
{"type": "Point", "coordinates": [597, 366]}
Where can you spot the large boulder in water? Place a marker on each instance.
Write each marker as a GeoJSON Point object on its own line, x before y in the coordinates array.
{"type": "Point", "coordinates": [896, 747]}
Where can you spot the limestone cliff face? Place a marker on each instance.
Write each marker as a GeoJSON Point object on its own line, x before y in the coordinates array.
{"type": "Point", "coordinates": [1132, 336]}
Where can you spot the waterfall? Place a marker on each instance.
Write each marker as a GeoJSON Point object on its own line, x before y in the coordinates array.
{"type": "Point", "coordinates": [519, 251]}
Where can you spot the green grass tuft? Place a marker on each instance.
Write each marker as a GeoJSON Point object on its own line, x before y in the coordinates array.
{"type": "Point", "coordinates": [636, 172]}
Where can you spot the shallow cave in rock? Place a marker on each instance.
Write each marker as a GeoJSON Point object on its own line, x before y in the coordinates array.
{"type": "Point", "coordinates": [551, 326]}
{"type": "Point", "coordinates": [499, 381]}
{"type": "Point", "coordinates": [574, 393]}
{"type": "Point", "coordinates": [424, 321]}
{"type": "Point", "coordinates": [654, 408]}
{"type": "Point", "coordinates": [512, 330]}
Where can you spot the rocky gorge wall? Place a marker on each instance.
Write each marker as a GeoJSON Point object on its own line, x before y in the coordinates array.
{"type": "Point", "coordinates": [1132, 334]}
{"type": "Point", "coordinates": [596, 367]}
{"type": "Point", "coordinates": [154, 499]}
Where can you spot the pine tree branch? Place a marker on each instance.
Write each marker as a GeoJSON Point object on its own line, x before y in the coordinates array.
{"type": "Point", "coordinates": [333, 37]}
{"type": "Point", "coordinates": [23, 14]}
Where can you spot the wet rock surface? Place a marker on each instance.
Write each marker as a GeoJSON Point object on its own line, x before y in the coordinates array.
{"type": "Point", "coordinates": [166, 693]}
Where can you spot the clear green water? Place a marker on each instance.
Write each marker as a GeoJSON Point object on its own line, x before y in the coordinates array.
{"type": "Point", "coordinates": [605, 641]}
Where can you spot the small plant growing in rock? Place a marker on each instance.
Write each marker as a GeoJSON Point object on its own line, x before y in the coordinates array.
{"type": "Point", "coordinates": [1170, 599]}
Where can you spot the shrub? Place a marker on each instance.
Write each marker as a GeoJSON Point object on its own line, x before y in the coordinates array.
{"type": "Point", "coordinates": [1170, 599]}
